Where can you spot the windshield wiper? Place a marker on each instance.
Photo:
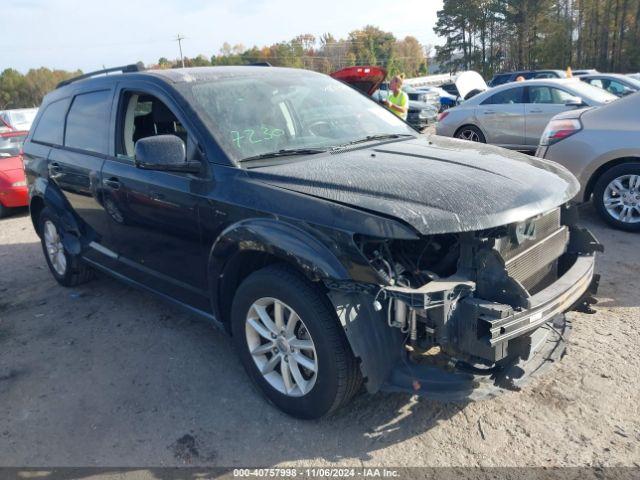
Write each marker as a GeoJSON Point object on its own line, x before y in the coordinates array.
{"type": "Point", "coordinates": [370, 138]}
{"type": "Point", "coordinates": [285, 153]}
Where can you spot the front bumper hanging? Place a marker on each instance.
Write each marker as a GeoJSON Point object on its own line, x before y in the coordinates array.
{"type": "Point", "coordinates": [487, 328]}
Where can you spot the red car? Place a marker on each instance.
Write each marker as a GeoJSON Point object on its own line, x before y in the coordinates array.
{"type": "Point", "coordinates": [13, 185]}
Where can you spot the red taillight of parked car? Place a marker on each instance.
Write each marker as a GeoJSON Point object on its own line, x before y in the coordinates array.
{"type": "Point", "coordinates": [442, 116]}
{"type": "Point", "coordinates": [559, 129]}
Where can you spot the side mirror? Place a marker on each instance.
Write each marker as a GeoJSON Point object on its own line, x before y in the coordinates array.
{"type": "Point", "coordinates": [574, 102]}
{"type": "Point", "coordinates": [164, 152]}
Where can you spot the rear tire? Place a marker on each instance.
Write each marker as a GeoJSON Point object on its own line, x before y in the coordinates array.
{"type": "Point", "coordinates": [616, 197]}
{"type": "Point", "coordinates": [470, 133]}
{"type": "Point", "coordinates": [68, 270]}
{"type": "Point", "coordinates": [4, 211]}
{"type": "Point", "coordinates": [317, 342]}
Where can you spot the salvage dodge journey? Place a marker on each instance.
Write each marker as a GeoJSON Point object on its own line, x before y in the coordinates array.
{"type": "Point", "coordinates": [337, 246]}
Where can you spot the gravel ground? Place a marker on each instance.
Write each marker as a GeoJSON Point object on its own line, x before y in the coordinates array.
{"type": "Point", "coordinates": [103, 375]}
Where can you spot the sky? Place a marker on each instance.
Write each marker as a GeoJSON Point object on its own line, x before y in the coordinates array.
{"type": "Point", "coordinates": [87, 34]}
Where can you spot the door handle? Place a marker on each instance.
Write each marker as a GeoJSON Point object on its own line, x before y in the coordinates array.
{"type": "Point", "coordinates": [157, 196]}
{"type": "Point", "coordinates": [488, 112]}
{"type": "Point", "coordinates": [535, 111]}
{"type": "Point", "coordinates": [112, 182]}
{"type": "Point", "coordinates": [55, 167]}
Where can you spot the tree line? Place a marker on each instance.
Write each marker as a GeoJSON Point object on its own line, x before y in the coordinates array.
{"type": "Point", "coordinates": [369, 45]}
{"type": "Point", "coordinates": [366, 46]}
{"type": "Point", "coordinates": [497, 35]}
{"type": "Point", "coordinates": [484, 35]}
{"type": "Point", "coordinates": [23, 91]}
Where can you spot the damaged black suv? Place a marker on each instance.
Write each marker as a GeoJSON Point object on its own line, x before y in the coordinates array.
{"type": "Point", "coordinates": [335, 244]}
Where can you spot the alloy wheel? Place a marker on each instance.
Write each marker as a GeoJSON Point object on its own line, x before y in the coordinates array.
{"type": "Point", "coordinates": [621, 198]}
{"type": "Point", "coordinates": [55, 249]}
{"type": "Point", "coordinates": [470, 135]}
{"type": "Point", "coordinates": [281, 347]}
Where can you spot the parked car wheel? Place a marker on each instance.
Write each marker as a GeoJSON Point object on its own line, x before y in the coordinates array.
{"type": "Point", "coordinates": [4, 211]}
{"type": "Point", "coordinates": [291, 343]}
{"type": "Point", "coordinates": [617, 196]}
{"type": "Point", "coordinates": [68, 270]}
{"type": "Point", "coordinates": [471, 133]}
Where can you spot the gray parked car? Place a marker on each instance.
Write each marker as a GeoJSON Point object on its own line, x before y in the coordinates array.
{"type": "Point", "coordinates": [601, 147]}
{"type": "Point", "coordinates": [616, 83]}
{"type": "Point", "coordinates": [514, 115]}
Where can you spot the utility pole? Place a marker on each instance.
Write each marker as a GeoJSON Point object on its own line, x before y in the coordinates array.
{"type": "Point", "coordinates": [179, 39]}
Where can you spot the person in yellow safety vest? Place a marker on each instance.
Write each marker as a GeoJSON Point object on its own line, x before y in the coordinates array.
{"type": "Point", "coordinates": [398, 100]}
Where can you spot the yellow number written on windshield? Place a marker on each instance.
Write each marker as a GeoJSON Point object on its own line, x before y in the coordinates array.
{"type": "Point", "coordinates": [250, 136]}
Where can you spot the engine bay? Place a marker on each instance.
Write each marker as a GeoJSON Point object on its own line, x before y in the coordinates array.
{"type": "Point", "coordinates": [466, 293]}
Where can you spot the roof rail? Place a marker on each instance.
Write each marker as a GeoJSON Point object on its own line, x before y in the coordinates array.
{"type": "Point", "coordinates": [134, 67]}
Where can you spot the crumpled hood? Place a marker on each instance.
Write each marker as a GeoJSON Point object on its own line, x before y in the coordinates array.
{"type": "Point", "coordinates": [435, 184]}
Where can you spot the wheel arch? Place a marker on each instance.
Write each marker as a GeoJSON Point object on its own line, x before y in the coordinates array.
{"type": "Point", "coordinates": [251, 245]}
{"type": "Point", "coordinates": [44, 195]}
{"type": "Point", "coordinates": [601, 170]}
{"type": "Point", "coordinates": [36, 205]}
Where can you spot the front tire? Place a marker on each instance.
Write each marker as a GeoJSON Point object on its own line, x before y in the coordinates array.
{"type": "Point", "coordinates": [291, 343]}
{"type": "Point", "coordinates": [4, 211]}
{"type": "Point", "coordinates": [68, 270]}
{"type": "Point", "coordinates": [616, 196]}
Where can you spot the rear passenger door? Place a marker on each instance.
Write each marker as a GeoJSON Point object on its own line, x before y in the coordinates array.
{"type": "Point", "coordinates": [501, 117]}
{"type": "Point", "coordinates": [543, 102]}
{"type": "Point", "coordinates": [74, 167]}
{"type": "Point", "coordinates": [154, 223]}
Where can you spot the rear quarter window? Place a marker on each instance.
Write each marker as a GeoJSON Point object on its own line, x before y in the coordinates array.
{"type": "Point", "coordinates": [88, 122]}
{"type": "Point", "coordinates": [50, 127]}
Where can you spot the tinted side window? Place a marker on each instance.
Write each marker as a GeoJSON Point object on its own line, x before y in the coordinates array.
{"type": "Point", "coordinates": [50, 127]}
{"type": "Point", "coordinates": [88, 122]}
{"type": "Point", "coordinates": [509, 96]}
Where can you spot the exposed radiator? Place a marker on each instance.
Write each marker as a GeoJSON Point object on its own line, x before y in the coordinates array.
{"type": "Point", "coordinates": [530, 266]}
{"type": "Point", "coordinates": [533, 261]}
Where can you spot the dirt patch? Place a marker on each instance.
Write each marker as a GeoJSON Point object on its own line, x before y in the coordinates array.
{"type": "Point", "coordinates": [185, 449]}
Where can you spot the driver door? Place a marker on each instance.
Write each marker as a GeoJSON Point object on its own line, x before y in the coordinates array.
{"type": "Point", "coordinates": [154, 228]}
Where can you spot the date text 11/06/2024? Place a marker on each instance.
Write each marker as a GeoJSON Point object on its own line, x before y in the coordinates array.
{"type": "Point", "coordinates": [316, 472]}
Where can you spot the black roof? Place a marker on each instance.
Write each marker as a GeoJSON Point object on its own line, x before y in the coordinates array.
{"type": "Point", "coordinates": [183, 75]}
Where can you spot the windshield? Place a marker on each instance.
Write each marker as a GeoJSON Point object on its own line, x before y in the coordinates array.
{"type": "Point", "coordinates": [22, 119]}
{"type": "Point", "coordinates": [594, 93]}
{"type": "Point", "coordinates": [633, 81]}
{"type": "Point", "coordinates": [286, 110]}
{"type": "Point", "coordinates": [10, 145]}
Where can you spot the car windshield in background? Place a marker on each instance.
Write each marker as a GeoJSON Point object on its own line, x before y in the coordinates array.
{"type": "Point", "coordinates": [10, 145]}
{"type": "Point", "coordinates": [593, 93]}
{"type": "Point", "coordinates": [633, 81]}
{"type": "Point", "coordinates": [258, 115]}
